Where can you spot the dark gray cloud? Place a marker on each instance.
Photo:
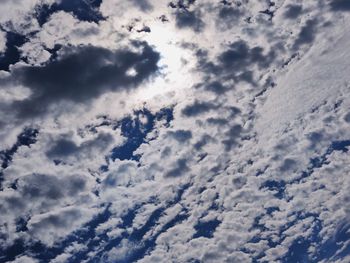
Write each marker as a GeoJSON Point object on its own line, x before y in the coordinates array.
{"type": "Point", "coordinates": [62, 147]}
{"type": "Point", "coordinates": [340, 5]}
{"type": "Point", "coordinates": [42, 191]}
{"type": "Point", "coordinates": [37, 186]}
{"type": "Point", "coordinates": [215, 87]}
{"type": "Point", "coordinates": [49, 228]}
{"type": "Point", "coordinates": [288, 164]}
{"type": "Point", "coordinates": [217, 121]}
{"type": "Point", "coordinates": [247, 76]}
{"type": "Point", "coordinates": [347, 117]}
{"type": "Point", "coordinates": [234, 62]}
{"type": "Point", "coordinates": [182, 4]}
{"type": "Point", "coordinates": [238, 62]}
{"type": "Point", "coordinates": [179, 168]}
{"type": "Point", "coordinates": [197, 108]}
{"type": "Point", "coordinates": [57, 220]}
{"type": "Point", "coordinates": [293, 11]}
{"type": "Point", "coordinates": [239, 55]}
{"type": "Point", "coordinates": [181, 135]}
{"type": "Point", "coordinates": [206, 139]}
{"type": "Point", "coordinates": [143, 5]}
{"type": "Point", "coordinates": [83, 73]}
{"type": "Point", "coordinates": [65, 147]}
{"type": "Point", "coordinates": [189, 19]}
{"type": "Point", "coordinates": [233, 135]}
{"type": "Point", "coordinates": [307, 33]}
{"type": "Point", "coordinates": [315, 139]}
{"type": "Point", "coordinates": [229, 16]}
{"type": "Point", "coordinates": [229, 13]}
{"type": "Point", "coordinates": [185, 18]}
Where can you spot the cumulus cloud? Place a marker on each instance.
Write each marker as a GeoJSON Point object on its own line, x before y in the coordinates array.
{"type": "Point", "coordinates": [49, 227]}
{"type": "Point", "coordinates": [189, 19]}
{"type": "Point", "coordinates": [73, 77]}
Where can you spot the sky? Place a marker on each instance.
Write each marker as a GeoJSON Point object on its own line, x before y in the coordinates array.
{"type": "Point", "coordinates": [182, 131]}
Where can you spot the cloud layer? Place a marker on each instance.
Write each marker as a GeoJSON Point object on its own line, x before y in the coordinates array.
{"type": "Point", "coordinates": [181, 131]}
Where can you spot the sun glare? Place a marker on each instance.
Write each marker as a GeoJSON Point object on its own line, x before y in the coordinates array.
{"type": "Point", "coordinates": [174, 74]}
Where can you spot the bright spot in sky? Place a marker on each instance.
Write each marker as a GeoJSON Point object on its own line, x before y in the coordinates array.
{"type": "Point", "coordinates": [131, 72]}
{"type": "Point", "coordinates": [174, 63]}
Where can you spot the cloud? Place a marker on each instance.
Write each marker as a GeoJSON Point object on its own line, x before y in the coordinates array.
{"type": "Point", "coordinates": [180, 167]}
{"type": "Point", "coordinates": [236, 61]}
{"type": "Point", "coordinates": [347, 117]}
{"type": "Point", "coordinates": [340, 5]}
{"type": "Point", "coordinates": [197, 108]}
{"type": "Point", "coordinates": [189, 19]}
{"type": "Point", "coordinates": [37, 186]}
{"type": "Point", "coordinates": [144, 5]}
{"type": "Point", "coordinates": [48, 228]}
{"type": "Point", "coordinates": [216, 87]}
{"type": "Point", "coordinates": [157, 171]}
{"type": "Point", "coordinates": [72, 76]}
{"type": "Point", "coordinates": [181, 135]}
{"type": "Point", "coordinates": [19, 9]}
{"type": "Point", "coordinates": [65, 148]}
{"type": "Point", "coordinates": [293, 11]}
{"type": "Point", "coordinates": [229, 16]}
{"type": "Point", "coordinates": [307, 33]}
{"type": "Point", "coordinates": [232, 135]}
{"type": "Point", "coordinates": [239, 55]}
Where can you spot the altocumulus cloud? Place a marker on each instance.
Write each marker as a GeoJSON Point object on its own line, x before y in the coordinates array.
{"type": "Point", "coordinates": [219, 134]}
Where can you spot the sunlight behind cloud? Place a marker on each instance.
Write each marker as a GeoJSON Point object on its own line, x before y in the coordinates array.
{"type": "Point", "coordinates": [175, 62]}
